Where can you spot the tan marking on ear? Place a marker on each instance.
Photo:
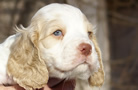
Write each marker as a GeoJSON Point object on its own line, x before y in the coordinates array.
{"type": "Point", "coordinates": [25, 65]}
{"type": "Point", "coordinates": [97, 79]}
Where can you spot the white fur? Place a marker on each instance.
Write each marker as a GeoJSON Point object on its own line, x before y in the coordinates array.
{"type": "Point", "coordinates": [4, 55]}
{"type": "Point", "coordinates": [60, 57]}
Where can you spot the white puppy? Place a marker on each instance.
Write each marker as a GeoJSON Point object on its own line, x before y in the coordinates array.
{"type": "Point", "coordinates": [59, 42]}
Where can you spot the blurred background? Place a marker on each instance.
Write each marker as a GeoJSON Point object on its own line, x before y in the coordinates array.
{"type": "Point", "coordinates": [116, 22]}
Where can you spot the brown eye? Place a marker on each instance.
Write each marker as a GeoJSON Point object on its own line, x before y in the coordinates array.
{"type": "Point", "coordinates": [58, 33]}
{"type": "Point", "coordinates": [90, 34]}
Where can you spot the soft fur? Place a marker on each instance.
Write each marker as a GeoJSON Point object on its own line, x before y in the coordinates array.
{"type": "Point", "coordinates": [34, 54]}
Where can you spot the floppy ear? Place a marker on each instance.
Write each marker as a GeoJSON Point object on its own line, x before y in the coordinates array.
{"type": "Point", "coordinates": [97, 79]}
{"type": "Point", "coordinates": [24, 64]}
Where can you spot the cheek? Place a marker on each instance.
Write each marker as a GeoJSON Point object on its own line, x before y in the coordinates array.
{"type": "Point", "coordinates": [49, 42]}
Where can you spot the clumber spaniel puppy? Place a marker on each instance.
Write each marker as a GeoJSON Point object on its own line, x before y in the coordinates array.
{"type": "Point", "coordinates": [60, 42]}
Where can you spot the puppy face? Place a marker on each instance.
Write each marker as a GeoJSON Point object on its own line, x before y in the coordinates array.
{"type": "Point", "coordinates": [66, 43]}
{"type": "Point", "coordinates": [58, 43]}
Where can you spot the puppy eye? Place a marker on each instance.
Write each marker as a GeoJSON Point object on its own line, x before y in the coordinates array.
{"type": "Point", "coordinates": [90, 34]}
{"type": "Point", "coordinates": [58, 33]}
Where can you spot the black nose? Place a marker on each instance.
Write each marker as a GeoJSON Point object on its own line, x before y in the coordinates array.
{"type": "Point", "coordinates": [85, 49]}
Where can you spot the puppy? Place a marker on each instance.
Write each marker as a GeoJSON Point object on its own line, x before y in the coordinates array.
{"type": "Point", "coordinates": [60, 42]}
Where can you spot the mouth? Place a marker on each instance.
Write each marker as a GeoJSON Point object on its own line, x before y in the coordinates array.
{"type": "Point", "coordinates": [75, 67]}
{"type": "Point", "coordinates": [64, 70]}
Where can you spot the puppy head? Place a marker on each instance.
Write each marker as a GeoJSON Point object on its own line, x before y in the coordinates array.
{"type": "Point", "coordinates": [61, 40]}
{"type": "Point", "coordinates": [68, 44]}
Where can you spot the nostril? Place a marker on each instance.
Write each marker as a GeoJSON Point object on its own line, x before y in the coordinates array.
{"type": "Point", "coordinates": [85, 49]}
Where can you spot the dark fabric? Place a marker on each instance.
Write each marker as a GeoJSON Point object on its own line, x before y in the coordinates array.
{"type": "Point", "coordinates": [57, 84]}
